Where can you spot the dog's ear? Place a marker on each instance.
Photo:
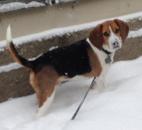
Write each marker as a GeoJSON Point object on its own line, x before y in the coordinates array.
{"type": "Point", "coordinates": [96, 36]}
{"type": "Point", "coordinates": [124, 28]}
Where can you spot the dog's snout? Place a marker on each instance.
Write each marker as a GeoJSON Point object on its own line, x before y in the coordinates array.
{"type": "Point", "coordinates": [115, 44]}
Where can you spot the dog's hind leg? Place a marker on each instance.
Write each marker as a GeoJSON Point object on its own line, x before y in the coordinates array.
{"type": "Point", "coordinates": [46, 104]}
{"type": "Point", "coordinates": [44, 83]}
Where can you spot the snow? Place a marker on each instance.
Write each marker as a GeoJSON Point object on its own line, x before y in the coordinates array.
{"type": "Point", "coordinates": [52, 48]}
{"type": "Point", "coordinates": [17, 5]}
{"type": "Point", "coordinates": [117, 107]}
{"type": "Point", "coordinates": [134, 34]}
{"type": "Point", "coordinates": [9, 67]}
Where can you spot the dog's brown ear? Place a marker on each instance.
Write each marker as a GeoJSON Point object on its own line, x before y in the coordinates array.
{"type": "Point", "coordinates": [96, 36]}
{"type": "Point", "coordinates": [124, 28]}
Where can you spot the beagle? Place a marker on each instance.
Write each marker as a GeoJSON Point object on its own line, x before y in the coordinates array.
{"type": "Point", "coordinates": [89, 57]}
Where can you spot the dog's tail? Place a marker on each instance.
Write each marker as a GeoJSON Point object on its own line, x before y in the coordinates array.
{"type": "Point", "coordinates": [11, 48]}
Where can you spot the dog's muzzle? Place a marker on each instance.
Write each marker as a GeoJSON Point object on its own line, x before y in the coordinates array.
{"type": "Point", "coordinates": [115, 45]}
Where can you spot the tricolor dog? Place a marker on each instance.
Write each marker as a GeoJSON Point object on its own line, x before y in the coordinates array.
{"type": "Point", "coordinates": [89, 57]}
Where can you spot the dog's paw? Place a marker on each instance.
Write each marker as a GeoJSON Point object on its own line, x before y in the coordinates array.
{"type": "Point", "coordinates": [99, 86]}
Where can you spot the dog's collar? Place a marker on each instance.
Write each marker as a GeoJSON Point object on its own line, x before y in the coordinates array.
{"type": "Point", "coordinates": [108, 59]}
{"type": "Point", "coordinates": [108, 53]}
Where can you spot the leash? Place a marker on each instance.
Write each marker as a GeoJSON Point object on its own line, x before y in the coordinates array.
{"type": "Point", "coordinates": [79, 106]}
{"type": "Point", "coordinates": [107, 60]}
{"type": "Point", "coordinates": [83, 99]}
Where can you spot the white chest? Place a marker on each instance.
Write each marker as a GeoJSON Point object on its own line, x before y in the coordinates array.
{"type": "Point", "coordinates": [102, 57]}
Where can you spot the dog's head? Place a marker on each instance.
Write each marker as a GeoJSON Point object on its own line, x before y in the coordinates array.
{"type": "Point", "coordinates": [109, 35]}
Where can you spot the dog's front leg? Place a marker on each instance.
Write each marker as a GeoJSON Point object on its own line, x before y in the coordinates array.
{"type": "Point", "coordinates": [100, 80]}
{"type": "Point", "coordinates": [99, 83]}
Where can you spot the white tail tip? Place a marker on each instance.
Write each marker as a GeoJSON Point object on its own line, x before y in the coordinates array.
{"type": "Point", "coordinates": [9, 35]}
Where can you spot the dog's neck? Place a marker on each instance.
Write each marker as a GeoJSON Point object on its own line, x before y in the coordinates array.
{"type": "Point", "coordinates": [108, 56]}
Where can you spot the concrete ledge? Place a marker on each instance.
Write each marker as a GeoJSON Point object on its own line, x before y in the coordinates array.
{"type": "Point", "coordinates": [130, 50]}
{"type": "Point", "coordinates": [14, 84]}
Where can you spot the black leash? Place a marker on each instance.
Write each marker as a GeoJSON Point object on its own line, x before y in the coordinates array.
{"type": "Point", "coordinates": [83, 99]}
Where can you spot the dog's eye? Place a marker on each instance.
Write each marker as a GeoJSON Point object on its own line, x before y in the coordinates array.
{"type": "Point", "coordinates": [117, 30]}
{"type": "Point", "coordinates": [106, 34]}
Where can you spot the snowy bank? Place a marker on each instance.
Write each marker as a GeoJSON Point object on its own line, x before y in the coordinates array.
{"type": "Point", "coordinates": [118, 107]}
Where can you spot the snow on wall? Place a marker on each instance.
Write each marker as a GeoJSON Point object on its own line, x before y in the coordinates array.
{"type": "Point", "coordinates": [61, 31]}
{"type": "Point", "coordinates": [17, 5]}
{"type": "Point", "coordinates": [20, 5]}
{"type": "Point", "coordinates": [134, 34]}
{"type": "Point", "coordinates": [9, 67]}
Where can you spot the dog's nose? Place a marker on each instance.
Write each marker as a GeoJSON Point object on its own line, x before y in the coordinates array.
{"type": "Point", "coordinates": [115, 44]}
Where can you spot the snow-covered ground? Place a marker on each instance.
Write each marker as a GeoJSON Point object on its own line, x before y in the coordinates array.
{"type": "Point", "coordinates": [117, 107]}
